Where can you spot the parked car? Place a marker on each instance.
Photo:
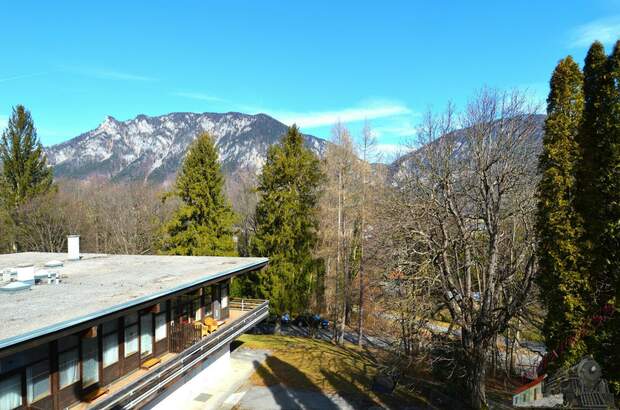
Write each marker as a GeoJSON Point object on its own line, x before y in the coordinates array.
{"type": "Point", "coordinates": [285, 319]}
{"type": "Point", "coordinates": [311, 320]}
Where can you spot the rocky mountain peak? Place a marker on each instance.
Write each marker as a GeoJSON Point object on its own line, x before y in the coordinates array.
{"type": "Point", "coordinates": [152, 148]}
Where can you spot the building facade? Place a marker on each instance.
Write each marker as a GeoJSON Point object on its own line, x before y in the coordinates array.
{"type": "Point", "coordinates": [123, 344]}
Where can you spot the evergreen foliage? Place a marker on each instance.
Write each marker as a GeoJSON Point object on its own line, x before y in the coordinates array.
{"type": "Point", "coordinates": [564, 289]}
{"type": "Point", "coordinates": [25, 173]}
{"type": "Point", "coordinates": [286, 226]}
{"type": "Point", "coordinates": [203, 222]}
{"type": "Point", "coordinates": [579, 211]}
{"type": "Point", "coordinates": [605, 229]}
{"type": "Point", "coordinates": [590, 194]}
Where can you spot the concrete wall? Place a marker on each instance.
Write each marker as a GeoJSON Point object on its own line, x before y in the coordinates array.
{"type": "Point", "coordinates": [193, 383]}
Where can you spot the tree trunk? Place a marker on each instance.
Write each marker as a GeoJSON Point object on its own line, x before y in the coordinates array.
{"type": "Point", "coordinates": [476, 376]}
{"type": "Point", "coordinates": [360, 311]}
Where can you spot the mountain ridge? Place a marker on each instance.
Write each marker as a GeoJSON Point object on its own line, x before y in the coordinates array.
{"type": "Point", "coordinates": [151, 148]}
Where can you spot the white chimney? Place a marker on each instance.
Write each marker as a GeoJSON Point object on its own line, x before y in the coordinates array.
{"type": "Point", "coordinates": [73, 247]}
{"type": "Point", "coordinates": [25, 273]}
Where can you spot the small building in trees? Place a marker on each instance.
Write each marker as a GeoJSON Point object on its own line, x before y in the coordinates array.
{"type": "Point", "coordinates": [116, 331]}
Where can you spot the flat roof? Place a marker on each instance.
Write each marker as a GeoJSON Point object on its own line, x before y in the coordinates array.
{"type": "Point", "coordinates": [98, 285]}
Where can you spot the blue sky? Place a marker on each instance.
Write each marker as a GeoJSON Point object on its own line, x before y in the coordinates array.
{"type": "Point", "coordinates": [73, 63]}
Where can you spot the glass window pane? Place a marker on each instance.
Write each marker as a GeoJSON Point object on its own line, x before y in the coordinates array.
{"type": "Point", "coordinates": [131, 340]}
{"type": "Point", "coordinates": [11, 392]}
{"type": "Point", "coordinates": [38, 381]}
{"type": "Point", "coordinates": [24, 358]}
{"type": "Point", "coordinates": [224, 296]}
{"type": "Point", "coordinates": [163, 306]}
{"type": "Point", "coordinates": [68, 367]}
{"type": "Point", "coordinates": [131, 318]}
{"type": "Point", "coordinates": [110, 349]}
{"type": "Point", "coordinates": [146, 334]}
{"type": "Point", "coordinates": [160, 327]}
{"type": "Point", "coordinates": [90, 361]}
{"type": "Point", "coordinates": [67, 343]}
{"type": "Point", "coordinates": [110, 326]}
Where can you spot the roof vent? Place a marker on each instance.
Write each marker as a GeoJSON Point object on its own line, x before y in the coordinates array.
{"type": "Point", "coordinates": [53, 264]}
{"type": "Point", "coordinates": [73, 247]}
{"type": "Point", "coordinates": [25, 273]}
{"type": "Point", "coordinates": [15, 287]}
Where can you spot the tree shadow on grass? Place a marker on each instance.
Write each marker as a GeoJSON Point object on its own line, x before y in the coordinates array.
{"type": "Point", "coordinates": [235, 345]}
{"type": "Point", "coordinates": [290, 388]}
{"type": "Point", "coordinates": [347, 389]}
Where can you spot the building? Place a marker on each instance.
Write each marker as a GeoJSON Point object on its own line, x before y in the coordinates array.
{"type": "Point", "coordinates": [109, 331]}
{"type": "Point", "coordinates": [528, 393]}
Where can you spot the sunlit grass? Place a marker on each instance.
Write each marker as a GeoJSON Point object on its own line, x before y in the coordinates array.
{"type": "Point", "coordinates": [311, 364]}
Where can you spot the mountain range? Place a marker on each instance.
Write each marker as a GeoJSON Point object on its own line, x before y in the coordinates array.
{"type": "Point", "coordinates": [152, 148]}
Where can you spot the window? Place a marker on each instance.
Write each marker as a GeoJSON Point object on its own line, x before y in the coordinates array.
{"type": "Point", "coordinates": [110, 326]}
{"type": "Point", "coordinates": [67, 343]}
{"type": "Point", "coordinates": [146, 334]}
{"type": "Point", "coordinates": [24, 358]}
{"type": "Point", "coordinates": [68, 367]}
{"type": "Point", "coordinates": [11, 392]}
{"type": "Point", "coordinates": [38, 381]}
{"type": "Point", "coordinates": [160, 327]}
{"type": "Point", "coordinates": [197, 309]}
{"type": "Point", "coordinates": [208, 300]}
{"type": "Point", "coordinates": [224, 295]}
{"type": "Point", "coordinates": [110, 342]}
{"type": "Point", "coordinates": [90, 361]}
{"type": "Point", "coordinates": [131, 340]}
{"type": "Point", "coordinates": [131, 318]}
{"type": "Point", "coordinates": [110, 349]}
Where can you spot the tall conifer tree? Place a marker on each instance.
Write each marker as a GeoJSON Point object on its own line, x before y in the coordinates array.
{"type": "Point", "coordinates": [24, 169]}
{"type": "Point", "coordinates": [606, 274]}
{"type": "Point", "coordinates": [563, 287]}
{"type": "Point", "coordinates": [286, 225]}
{"type": "Point", "coordinates": [24, 174]}
{"type": "Point", "coordinates": [589, 195]}
{"type": "Point", "coordinates": [203, 223]}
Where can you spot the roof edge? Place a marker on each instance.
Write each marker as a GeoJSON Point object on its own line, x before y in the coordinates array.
{"type": "Point", "coordinates": [29, 336]}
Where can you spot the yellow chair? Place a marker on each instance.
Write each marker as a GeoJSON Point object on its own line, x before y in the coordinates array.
{"type": "Point", "coordinates": [210, 324]}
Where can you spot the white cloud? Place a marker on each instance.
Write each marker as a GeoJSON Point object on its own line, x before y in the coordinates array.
{"type": "Point", "coordinates": [198, 96]}
{"type": "Point", "coordinates": [605, 30]}
{"type": "Point", "coordinates": [346, 115]}
{"type": "Point", "coordinates": [404, 130]}
{"type": "Point", "coordinates": [19, 77]}
{"type": "Point", "coordinates": [107, 74]}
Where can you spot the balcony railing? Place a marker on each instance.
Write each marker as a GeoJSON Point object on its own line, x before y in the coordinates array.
{"type": "Point", "coordinates": [244, 305]}
{"type": "Point", "coordinates": [144, 389]}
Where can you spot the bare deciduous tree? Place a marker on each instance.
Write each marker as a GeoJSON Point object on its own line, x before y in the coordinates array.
{"type": "Point", "coordinates": [466, 204]}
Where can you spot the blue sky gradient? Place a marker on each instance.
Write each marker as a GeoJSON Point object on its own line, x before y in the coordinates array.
{"type": "Point", "coordinates": [74, 62]}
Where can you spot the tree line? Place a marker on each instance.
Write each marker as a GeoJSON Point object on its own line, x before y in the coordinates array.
{"type": "Point", "coordinates": [578, 215]}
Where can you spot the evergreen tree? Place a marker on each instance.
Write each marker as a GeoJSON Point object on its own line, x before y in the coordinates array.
{"type": "Point", "coordinates": [563, 285]}
{"type": "Point", "coordinates": [598, 204]}
{"type": "Point", "coordinates": [24, 170]}
{"type": "Point", "coordinates": [24, 174]}
{"type": "Point", "coordinates": [286, 225]}
{"type": "Point", "coordinates": [590, 194]}
{"type": "Point", "coordinates": [606, 273]}
{"type": "Point", "coordinates": [203, 222]}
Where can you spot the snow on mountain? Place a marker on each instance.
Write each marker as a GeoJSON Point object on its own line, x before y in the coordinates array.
{"type": "Point", "coordinates": [152, 148]}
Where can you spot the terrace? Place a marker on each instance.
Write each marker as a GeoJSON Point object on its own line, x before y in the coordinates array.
{"type": "Point", "coordinates": [142, 385]}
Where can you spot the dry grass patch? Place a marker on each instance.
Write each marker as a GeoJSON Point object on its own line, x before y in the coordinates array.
{"type": "Point", "coordinates": [310, 364]}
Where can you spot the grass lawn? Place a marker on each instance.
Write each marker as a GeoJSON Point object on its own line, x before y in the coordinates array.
{"type": "Point", "coordinates": [310, 364]}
